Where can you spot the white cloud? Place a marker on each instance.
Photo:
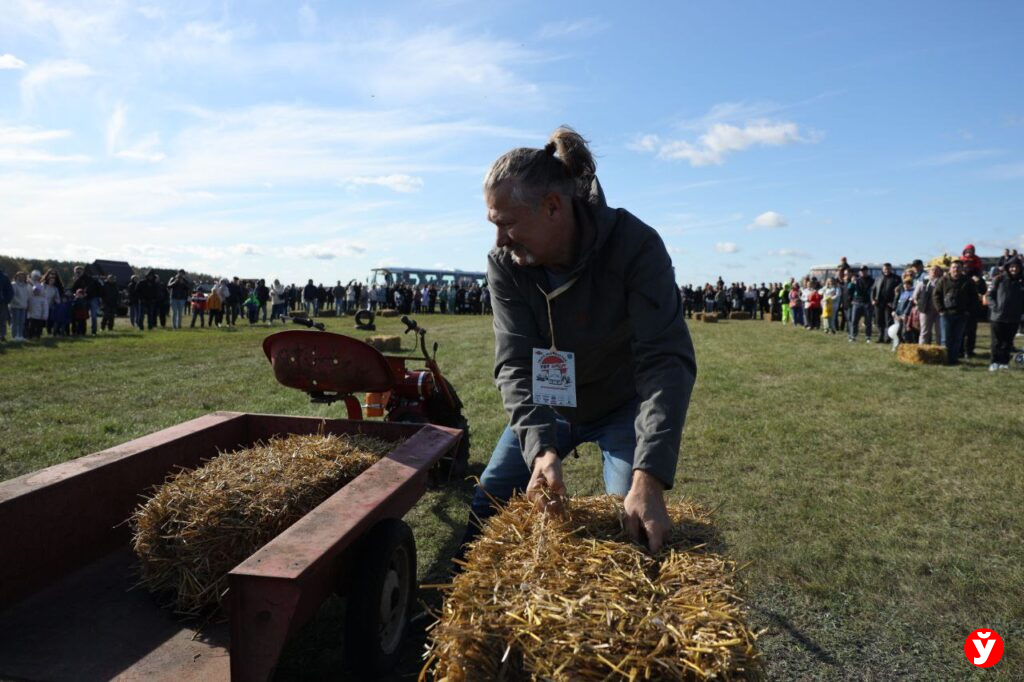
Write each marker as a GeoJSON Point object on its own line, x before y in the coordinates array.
{"type": "Point", "coordinates": [578, 28]}
{"type": "Point", "coordinates": [49, 71]}
{"type": "Point", "coordinates": [788, 253]}
{"type": "Point", "coordinates": [246, 250]}
{"type": "Point", "coordinates": [726, 247]}
{"type": "Point", "coordinates": [723, 139]}
{"type": "Point", "coordinates": [964, 156]}
{"type": "Point", "coordinates": [769, 220]}
{"type": "Point", "coordinates": [10, 62]}
{"type": "Point", "coordinates": [143, 150]}
{"type": "Point", "coordinates": [397, 182]}
{"type": "Point", "coordinates": [327, 251]}
{"type": "Point", "coordinates": [27, 135]}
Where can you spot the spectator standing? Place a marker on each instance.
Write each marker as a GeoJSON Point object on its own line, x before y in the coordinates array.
{"type": "Point", "coordinates": [38, 307]}
{"type": "Point", "coordinates": [262, 292]}
{"type": "Point", "coordinates": [904, 312]}
{"type": "Point", "coordinates": [814, 308]}
{"type": "Point", "coordinates": [198, 302]}
{"type": "Point", "coordinates": [215, 302]}
{"type": "Point", "coordinates": [81, 308]}
{"type": "Point", "coordinates": [179, 289]}
{"type": "Point", "coordinates": [234, 301]}
{"type": "Point", "coordinates": [278, 301]}
{"type": "Point", "coordinates": [252, 308]}
{"type": "Point", "coordinates": [978, 314]}
{"type": "Point", "coordinates": [927, 313]}
{"type": "Point", "coordinates": [134, 306]}
{"type": "Point", "coordinates": [111, 299]}
{"type": "Point", "coordinates": [860, 300]}
{"type": "Point", "coordinates": [883, 295]}
{"type": "Point", "coordinates": [972, 264]}
{"type": "Point", "coordinates": [339, 299]}
{"type": "Point", "coordinates": [163, 306]}
{"type": "Point", "coordinates": [22, 290]}
{"type": "Point", "coordinates": [309, 298]}
{"type": "Point", "coordinates": [1006, 305]}
{"type": "Point", "coordinates": [831, 302]}
{"type": "Point", "coordinates": [93, 294]}
{"type": "Point", "coordinates": [955, 297]}
{"type": "Point", "coordinates": [6, 294]}
{"type": "Point", "coordinates": [149, 300]}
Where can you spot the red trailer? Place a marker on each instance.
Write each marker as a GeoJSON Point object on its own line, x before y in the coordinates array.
{"type": "Point", "coordinates": [67, 607]}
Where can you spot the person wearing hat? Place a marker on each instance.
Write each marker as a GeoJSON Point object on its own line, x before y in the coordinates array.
{"type": "Point", "coordinates": [1006, 305]}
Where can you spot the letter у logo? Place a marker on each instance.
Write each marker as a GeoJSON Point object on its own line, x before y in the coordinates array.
{"type": "Point", "coordinates": [983, 648]}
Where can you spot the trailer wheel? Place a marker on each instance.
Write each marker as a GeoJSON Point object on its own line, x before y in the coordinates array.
{"type": "Point", "coordinates": [382, 597]}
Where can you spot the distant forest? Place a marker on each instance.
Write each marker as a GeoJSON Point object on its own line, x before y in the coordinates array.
{"type": "Point", "coordinates": [66, 269]}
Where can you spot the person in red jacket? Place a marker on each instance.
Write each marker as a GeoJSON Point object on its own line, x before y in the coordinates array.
{"type": "Point", "coordinates": [814, 308]}
{"type": "Point", "coordinates": [972, 264]}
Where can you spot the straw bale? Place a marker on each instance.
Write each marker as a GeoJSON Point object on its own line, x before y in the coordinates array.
{"type": "Point", "coordinates": [573, 599]}
{"type": "Point", "coordinates": [739, 315]}
{"type": "Point", "coordinates": [388, 312]}
{"type": "Point", "coordinates": [385, 343]}
{"type": "Point", "coordinates": [203, 522]}
{"type": "Point", "coordinates": [915, 354]}
{"type": "Point", "coordinates": [709, 317]}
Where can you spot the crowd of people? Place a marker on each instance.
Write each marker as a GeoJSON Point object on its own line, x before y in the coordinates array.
{"type": "Point", "coordinates": [940, 304]}
{"type": "Point", "coordinates": [36, 303]}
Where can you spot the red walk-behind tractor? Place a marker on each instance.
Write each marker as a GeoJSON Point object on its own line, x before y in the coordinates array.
{"type": "Point", "coordinates": [333, 367]}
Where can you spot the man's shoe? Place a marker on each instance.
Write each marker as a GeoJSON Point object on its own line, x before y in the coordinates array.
{"type": "Point", "coordinates": [993, 367]}
{"type": "Point", "coordinates": [1004, 367]}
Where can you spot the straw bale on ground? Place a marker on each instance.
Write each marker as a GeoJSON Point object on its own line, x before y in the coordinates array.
{"type": "Point", "coordinates": [388, 312]}
{"type": "Point", "coordinates": [544, 599]}
{"type": "Point", "coordinates": [385, 343]}
{"type": "Point", "coordinates": [739, 315]}
{"type": "Point", "coordinates": [203, 522]}
{"type": "Point", "coordinates": [709, 317]}
{"type": "Point", "coordinates": [916, 354]}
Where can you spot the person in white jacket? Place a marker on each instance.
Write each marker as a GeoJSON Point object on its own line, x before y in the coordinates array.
{"type": "Point", "coordinates": [19, 305]}
{"type": "Point", "coordinates": [38, 307]}
{"type": "Point", "coordinates": [278, 305]}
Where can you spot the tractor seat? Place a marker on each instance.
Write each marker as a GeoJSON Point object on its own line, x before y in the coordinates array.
{"type": "Point", "coordinates": [313, 361]}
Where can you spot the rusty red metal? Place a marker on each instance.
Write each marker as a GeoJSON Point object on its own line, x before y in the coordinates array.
{"type": "Point", "coordinates": [321, 361]}
{"type": "Point", "coordinates": [63, 528]}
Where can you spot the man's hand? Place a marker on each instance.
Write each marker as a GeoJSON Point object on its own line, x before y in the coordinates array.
{"type": "Point", "coordinates": [645, 510]}
{"type": "Point", "coordinates": [546, 489]}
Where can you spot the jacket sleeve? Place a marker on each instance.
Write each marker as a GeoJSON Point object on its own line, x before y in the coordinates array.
{"type": "Point", "coordinates": [516, 334]}
{"type": "Point", "coordinates": [665, 366]}
{"type": "Point", "coordinates": [938, 293]}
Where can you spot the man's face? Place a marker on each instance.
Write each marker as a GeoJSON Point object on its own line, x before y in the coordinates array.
{"type": "Point", "coordinates": [530, 234]}
{"type": "Point", "coordinates": [886, 270]}
{"type": "Point", "coordinates": [78, 272]}
{"type": "Point", "coordinates": [954, 271]}
{"type": "Point", "coordinates": [1014, 269]}
{"type": "Point", "coordinates": [936, 272]}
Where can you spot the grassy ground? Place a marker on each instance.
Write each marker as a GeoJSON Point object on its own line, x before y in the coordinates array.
{"type": "Point", "coordinates": [878, 505]}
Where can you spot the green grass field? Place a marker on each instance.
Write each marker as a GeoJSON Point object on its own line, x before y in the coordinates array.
{"type": "Point", "coordinates": [877, 505]}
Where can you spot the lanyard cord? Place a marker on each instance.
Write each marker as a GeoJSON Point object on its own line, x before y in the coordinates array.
{"type": "Point", "coordinates": [550, 297]}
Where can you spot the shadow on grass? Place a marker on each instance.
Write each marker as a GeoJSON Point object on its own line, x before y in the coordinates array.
{"type": "Point", "coordinates": [782, 624]}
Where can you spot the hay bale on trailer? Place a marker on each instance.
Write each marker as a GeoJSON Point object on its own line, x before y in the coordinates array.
{"type": "Point", "coordinates": [544, 598]}
{"type": "Point", "coordinates": [386, 344]}
{"type": "Point", "coordinates": [203, 522]}
{"type": "Point", "coordinates": [917, 354]}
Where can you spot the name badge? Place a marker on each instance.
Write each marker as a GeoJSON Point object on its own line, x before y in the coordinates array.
{"type": "Point", "coordinates": [554, 378]}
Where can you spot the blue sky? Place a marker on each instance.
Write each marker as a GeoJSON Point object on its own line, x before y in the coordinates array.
{"type": "Point", "coordinates": [320, 139]}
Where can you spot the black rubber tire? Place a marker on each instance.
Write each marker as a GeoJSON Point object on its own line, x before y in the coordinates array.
{"type": "Point", "coordinates": [382, 598]}
{"type": "Point", "coordinates": [364, 318]}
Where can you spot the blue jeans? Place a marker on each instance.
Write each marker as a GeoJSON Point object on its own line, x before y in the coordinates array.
{"type": "Point", "coordinates": [506, 472]}
{"type": "Point", "coordinates": [953, 327]}
{"type": "Point", "coordinates": [858, 311]}
{"type": "Point", "coordinates": [18, 316]}
{"type": "Point", "coordinates": [95, 308]}
{"type": "Point", "coordinates": [177, 310]}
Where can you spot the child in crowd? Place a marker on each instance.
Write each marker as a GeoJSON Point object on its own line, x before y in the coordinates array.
{"type": "Point", "coordinates": [61, 317]}
{"type": "Point", "coordinates": [215, 305]}
{"type": "Point", "coordinates": [199, 309]}
{"type": "Point", "coordinates": [79, 313]}
{"type": "Point", "coordinates": [38, 307]}
{"type": "Point", "coordinates": [252, 308]}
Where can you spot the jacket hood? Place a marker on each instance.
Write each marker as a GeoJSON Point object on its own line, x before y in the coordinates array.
{"type": "Point", "coordinates": [969, 247]}
{"type": "Point", "coordinates": [596, 221]}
